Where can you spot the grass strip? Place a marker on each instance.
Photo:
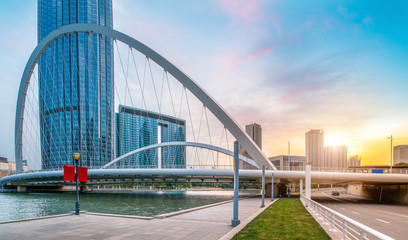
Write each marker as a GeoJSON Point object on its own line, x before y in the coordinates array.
{"type": "Point", "coordinates": [285, 219]}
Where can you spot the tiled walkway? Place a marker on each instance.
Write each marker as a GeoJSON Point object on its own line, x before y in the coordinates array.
{"type": "Point", "coordinates": [208, 223]}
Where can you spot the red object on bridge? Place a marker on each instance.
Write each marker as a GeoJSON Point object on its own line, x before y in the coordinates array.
{"type": "Point", "coordinates": [82, 174]}
{"type": "Point", "coordinates": [69, 173]}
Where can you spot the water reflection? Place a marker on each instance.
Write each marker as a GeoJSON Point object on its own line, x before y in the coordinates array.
{"type": "Point", "coordinates": [28, 205]}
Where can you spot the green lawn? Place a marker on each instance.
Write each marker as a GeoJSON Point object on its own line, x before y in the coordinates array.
{"type": "Point", "coordinates": [285, 219]}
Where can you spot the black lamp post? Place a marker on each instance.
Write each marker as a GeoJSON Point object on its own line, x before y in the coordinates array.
{"type": "Point", "coordinates": [76, 157]}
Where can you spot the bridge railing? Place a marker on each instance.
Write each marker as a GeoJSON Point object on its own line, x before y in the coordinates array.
{"type": "Point", "coordinates": [347, 227]}
{"type": "Point", "coordinates": [130, 166]}
{"type": "Point", "coordinates": [348, 170]}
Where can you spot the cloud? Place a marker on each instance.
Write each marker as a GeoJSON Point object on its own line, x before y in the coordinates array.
{"type": "Point", "coordinates": [242, 9]}
{"type": "Point", "coordinates": [259, 53]}
{"type": "Point", "coordinates": [344, 12]}
{"type": "Point", "coordinates": [368, 21]}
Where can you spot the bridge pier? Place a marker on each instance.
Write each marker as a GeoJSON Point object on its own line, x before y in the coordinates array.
{"type": "Point", "coordinates": [21, 188]}
{"type": "Point", "coordinates": [268, 189]}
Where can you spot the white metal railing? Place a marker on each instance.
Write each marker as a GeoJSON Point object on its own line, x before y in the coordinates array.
{"type": "Point", "coordinates": [347, 170]}
{"type": "Point", "coordinates": [349, 228]}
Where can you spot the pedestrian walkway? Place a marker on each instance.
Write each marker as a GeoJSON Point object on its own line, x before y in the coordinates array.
{"type": "Point", "coordinates": [208, 223]}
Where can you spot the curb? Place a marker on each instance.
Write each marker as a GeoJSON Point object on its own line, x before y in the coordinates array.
{"type": "Point", "coordinates": [172, 214]}
{"type": "Point", "coordinates": [229, 235]}
{"type": "Point", "coordinates": [118, 215]}
{"type": "Point", "coordinates": [38, 218]}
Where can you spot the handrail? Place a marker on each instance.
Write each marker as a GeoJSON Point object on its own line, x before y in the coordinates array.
{"type": "Point", "coordinates": [351, 229]}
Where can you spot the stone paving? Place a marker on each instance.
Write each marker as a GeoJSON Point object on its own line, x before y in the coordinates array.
{"type": "Point", "coordinates": [208, 223]}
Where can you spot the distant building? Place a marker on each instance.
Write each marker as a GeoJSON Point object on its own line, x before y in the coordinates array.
{"type": "Point", "coordinates": [4, 167]}
{"type": "Point", "coordinates": [137, 128]}
{"type": "Point", "coordinates": [354, 161]}
{"type": "Point", "coordinates": [7, 168]}
{"type": "Point", "coordinates": [400, 154]}
{"type": "Point", "coordinates": [286, 162]}
{"type": "Point", "coordinates": [254, 131]}
{"type": "Point", "coordinates": [335, 157]}
{"type": "Point", "coordinates": [314, 148]}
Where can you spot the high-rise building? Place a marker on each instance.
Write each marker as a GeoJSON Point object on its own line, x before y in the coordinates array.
{"type": "Point", "coordinates": [76, 85]}
{"type": "Point", "coordinates": [314, 148]}
{"type": "Point", "coordinates": [254, 131]}
{"type": "Point", "coordinates": [137, 128]}
{"type": "Point", "coordinates": [354, 161]}
{"type": "Point", "coordinates": [400, 154]}
{"type": "Point", "coordinates": [335, 158]}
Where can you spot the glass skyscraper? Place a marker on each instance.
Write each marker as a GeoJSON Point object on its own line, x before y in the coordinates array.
{"type": "Point", "coordinates": [76, 85]}
{"type": "Point", "coordinates": [136, 128]}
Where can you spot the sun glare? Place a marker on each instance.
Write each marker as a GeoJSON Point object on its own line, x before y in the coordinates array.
{"type": "Point", "coordinates": [334, 139]}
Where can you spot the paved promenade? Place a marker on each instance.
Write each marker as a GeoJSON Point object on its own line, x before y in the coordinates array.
{"type": "Point", "coordinates": [208, 223]}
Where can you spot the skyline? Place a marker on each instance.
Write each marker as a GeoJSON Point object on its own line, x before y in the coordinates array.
{"type": "Point", "coordinates": [335, 66]}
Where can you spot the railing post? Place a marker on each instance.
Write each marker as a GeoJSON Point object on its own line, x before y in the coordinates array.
{"type": "Point", "coordinates": [311, 206]}
{"type": "Point", "coordinates": [273, 182]}
{"type": "Point", "coordinates": [332, 229]}
{"type": "Point", "coordinates": [325, 222]}
{"type": "Point", "coordinates": [363, 235]}
{"type": "Point", "coordinates": [263, 186]}
{"type": "Point", "coordinates": [316, 210]}
{"type": "Point", "coordinates": [345, 230]}
{"type": "Point", "coordinates": [319, 213]}
{"type": "Point", "coordinates": [235, 221]}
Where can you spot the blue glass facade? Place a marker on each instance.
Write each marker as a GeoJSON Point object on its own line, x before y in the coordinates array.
{"type": "Point", "coordinates": [76, 85]}
{"type": "Point", "coordinates": [136, 128]}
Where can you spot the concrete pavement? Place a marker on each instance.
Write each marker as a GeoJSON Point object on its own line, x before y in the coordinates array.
{"type": "Point", "coordinates": [208, 223]}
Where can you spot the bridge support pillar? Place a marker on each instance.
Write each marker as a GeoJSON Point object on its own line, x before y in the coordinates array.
{"type": "Point", "coordinates": [272, 187]}
{"type": "Point", "coordinates": [235, 221]}
{"type": "Point", "coordinates": [308, 180]}
{"type": "Point", "coordinates": [301, 187]}
{"type": "Point", "coordinates": [21, 189]}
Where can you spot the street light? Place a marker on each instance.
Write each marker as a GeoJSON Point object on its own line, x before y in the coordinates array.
{"type": "Point", "coordinates": [76, 157]}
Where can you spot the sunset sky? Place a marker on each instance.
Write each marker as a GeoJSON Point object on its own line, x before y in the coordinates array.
{"type": "Point", "coordinates": [291, 66]}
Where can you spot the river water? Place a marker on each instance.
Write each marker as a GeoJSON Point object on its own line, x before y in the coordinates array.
{"type": "Point", "coordinates": [150, 203]}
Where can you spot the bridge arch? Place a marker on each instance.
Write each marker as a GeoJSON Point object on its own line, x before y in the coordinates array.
{"type": "Point", "coordinates": [191, 144]}
{"type": "Point", "coordinates": [253, 150]}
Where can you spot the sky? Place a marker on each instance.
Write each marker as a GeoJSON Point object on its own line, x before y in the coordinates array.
{"type": "Point", "coordinates": [290, 66]}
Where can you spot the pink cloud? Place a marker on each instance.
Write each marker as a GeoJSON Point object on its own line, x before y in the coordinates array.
{"type": "Point", "coordinates": [300, 92]}
{"type": "Point", "coordinates": [277, 25]}
{"type": "Point", "coordinates": [247, 10]}
{"type": "Point", "coordinates": [259, 53]}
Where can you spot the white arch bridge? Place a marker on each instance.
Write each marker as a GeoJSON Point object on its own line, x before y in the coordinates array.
{"type": "Point", "coordinates": [106, 175]}
{"type": "Point", "coordinates": [246, 142]}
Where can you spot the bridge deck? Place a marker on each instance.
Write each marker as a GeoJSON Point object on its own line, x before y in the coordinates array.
{"type": "Point", "coordinates": [208, 223]}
